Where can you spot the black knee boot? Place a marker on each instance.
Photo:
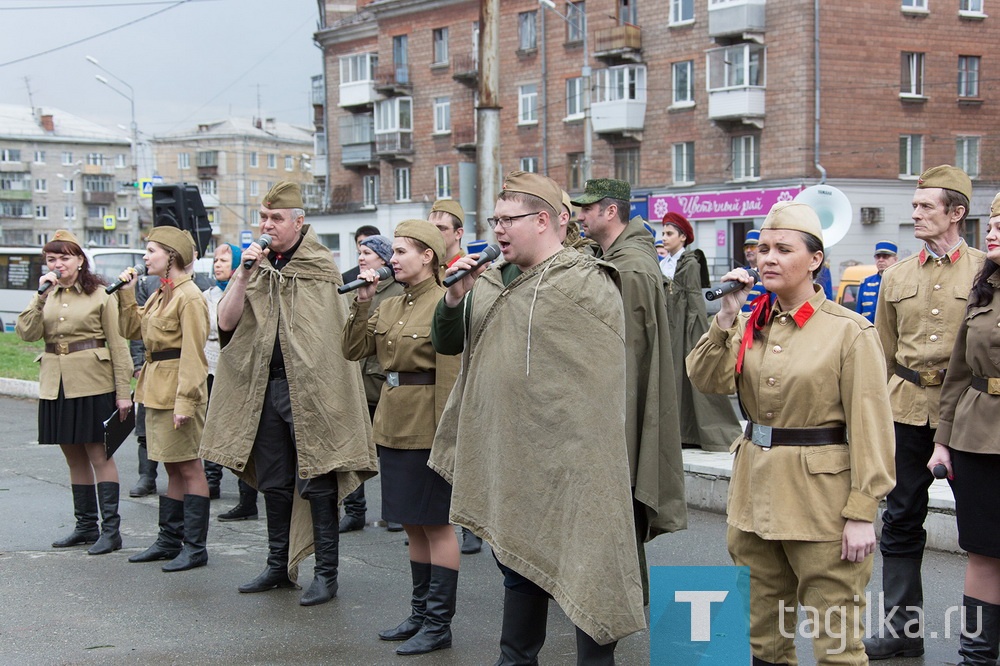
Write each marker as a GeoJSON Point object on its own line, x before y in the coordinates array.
{"type": "Point", "coordinates": [193, 553]}
{"type": "Point", "coordinates": [168, 541]}
{"type": "Point", "coordinates": [111, 538]}
{"type": "Point", "coordinates": [471, 544]}
{"type": "Point", "coordinates": [246, 509]}
{"type": "Point", "coordinates": [355, 509]}
{"type": "Point", "coordinates": [278, 508]}
{"type": "Point", "coordinates": [523, 633]}
{"type": "Point", "coordinates": [421, 574]}
{"type": "Point", "coordinates": [980, 642]}
{"type": "Point", "coordinates": [435, 633]}
{"type": "Point", "coordinates": [326, 537]}
{"type": "Point", "coordinates": [590, 653]}
{"type": "Point", "coordinates": [213, 474]}
{"type": "Point", "coordinates": [85, 510]}
{"type": "Point", "coordinates": [146, 485]}
{"type": "Point", "coordinates": [903, 595]}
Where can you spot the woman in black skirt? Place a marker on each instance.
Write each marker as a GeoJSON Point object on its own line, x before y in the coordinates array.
{"type": "Point", "coordinates": [417, 385]}
{"type": "Point", "coordinates": [84, 378]}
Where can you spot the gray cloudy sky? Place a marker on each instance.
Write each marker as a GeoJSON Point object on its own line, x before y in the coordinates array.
{"type": "Point", "coordinates": [194, 61]}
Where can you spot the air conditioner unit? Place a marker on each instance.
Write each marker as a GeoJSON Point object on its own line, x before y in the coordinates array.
{"type": "Point", "coordinates": [872, 215]}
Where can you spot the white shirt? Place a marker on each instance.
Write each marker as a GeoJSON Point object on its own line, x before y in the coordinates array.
{"type": "Point", "coordinates": [668, 265]}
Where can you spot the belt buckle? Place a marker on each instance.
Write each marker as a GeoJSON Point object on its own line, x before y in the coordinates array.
{"type": "Point", "coordinates": [930, 378]}
{"type": "Point", "coordinates": [761, 436]}
{"type": "Point", "coordinates": [392, 378]}
{"type": "Point", "coordinates": [993, 385]}
{"type": "Point", "coordinates": [62, 348]}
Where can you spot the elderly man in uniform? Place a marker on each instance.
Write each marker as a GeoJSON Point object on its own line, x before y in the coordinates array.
{"type": "Point", "coordinates": [885, 256]}
{"type": "Point", "coordinates": [288, 412]}
{"type": "Point", "coordinates": [654, 440]}
{"type": "Point", "coordinates": [547, 482]}
{"type": "Point", "coordinates": [921, 304]}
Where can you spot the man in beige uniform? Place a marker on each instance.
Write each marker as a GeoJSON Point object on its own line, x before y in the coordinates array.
{"type": "Point", "coordinates": [920, 307]}
{"type": "Point", "coordinates": [447, 215]}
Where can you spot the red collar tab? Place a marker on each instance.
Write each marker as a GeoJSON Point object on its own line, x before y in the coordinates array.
{"type": "Point", "coordinates": [803, 314]}
{"type": "Point", "coordinates": [954, 256]}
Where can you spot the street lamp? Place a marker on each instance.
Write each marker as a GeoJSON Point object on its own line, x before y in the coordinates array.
{"type": "Point", "coordinates": [585, 75]}
{"type": "Point", "coordinates": [133, 232]}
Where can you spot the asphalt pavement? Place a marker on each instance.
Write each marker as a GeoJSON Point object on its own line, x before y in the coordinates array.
{"type": "Point", "coordinates": [66, 607]}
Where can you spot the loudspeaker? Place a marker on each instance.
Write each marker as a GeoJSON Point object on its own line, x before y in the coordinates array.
{"type": "Point", "coordinates": [181, 206]}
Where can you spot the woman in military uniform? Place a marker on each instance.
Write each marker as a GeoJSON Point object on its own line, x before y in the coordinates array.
{"type": "Point", "coordinates": [967, 443]}
{"type": "Point", "coordinates": [817, 454]}
{"type": "Point", "coordinates": [417, 385]}
{"type": "Point", "coordinates": [173, 325]}
{"type": "Point", "coordinates": [85, 372]}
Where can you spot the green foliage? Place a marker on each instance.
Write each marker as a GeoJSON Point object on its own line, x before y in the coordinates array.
{"type": "Point", "coordinates": [17, 357]}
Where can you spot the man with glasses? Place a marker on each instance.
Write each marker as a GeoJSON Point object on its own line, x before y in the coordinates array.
{"type": "Point", "coordinates": [533, 436]}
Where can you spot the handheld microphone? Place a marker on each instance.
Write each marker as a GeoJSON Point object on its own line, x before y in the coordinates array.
{"type": "Point", "coordinates": [264, 241]}
{"type": "Point", "coordinates": [45, 287]}
{"type": "Point", "coordinates": [489, 253]}
{"type": "Point", "coordinates": [384, 273]}
{"type": "Point", "coordinates": [731, 286]}
{"type": "Point", "coordinates": [139, 269]}
{"type": "Point", "coordinates": [940, 471]}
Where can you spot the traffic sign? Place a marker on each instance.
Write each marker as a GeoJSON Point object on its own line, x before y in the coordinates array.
{"type": "Point", "coordinates": [146, 188]}
{"type": "Point", "coordinates": [246, 237]}
{"type": "Point", "coordinates": [110, 222]}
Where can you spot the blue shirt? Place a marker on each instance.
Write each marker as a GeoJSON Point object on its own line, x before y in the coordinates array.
{"type": "Point", "coordinates": [868, 296]}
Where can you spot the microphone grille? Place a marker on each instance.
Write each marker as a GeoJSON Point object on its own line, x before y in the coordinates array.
{"type": "Point", "coordinates": [264, 240]}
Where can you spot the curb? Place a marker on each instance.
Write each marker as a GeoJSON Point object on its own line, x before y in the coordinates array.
{"type": "Point", "coordinates": [18, 388]}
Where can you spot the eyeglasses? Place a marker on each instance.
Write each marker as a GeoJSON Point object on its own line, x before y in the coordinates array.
{"type": "Point", "coordinates": [749, 247]}
{"type": "Point", "coordinates": [505, 222]}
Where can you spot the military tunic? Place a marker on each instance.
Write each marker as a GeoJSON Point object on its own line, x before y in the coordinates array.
{"type": "Point", "coordinates": [868, 296]}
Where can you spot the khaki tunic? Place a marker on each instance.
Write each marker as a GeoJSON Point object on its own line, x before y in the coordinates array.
{"type": "Point", "coordinates": [969, 416]}
{"type": "Point", "coordinates": [399, 332]}
{"type": "Point", "coordinates": [70, 315]}
{"type": "Point", "coordinates": [920, 307]}
{"type": "Point", "coordinates": [372, 372]}
{"type": "Point", "coordinates": [812, 369]}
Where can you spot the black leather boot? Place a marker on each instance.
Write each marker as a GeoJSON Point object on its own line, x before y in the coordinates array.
{"type": "Point", "coordinates": [980, 641]}
{"type": "Point", "coordinates": [279, 519]}
{"type": "Point", "coordinates": [326, 538]}
{"type": "Point", "coordinates": [246, 509]}
{"type": "Point", "coordinates": [85, 510]}
{"type": "Point", "coordinates": [754, 661]}
{"type": "Point", "coordinates": [435, 634]}
{"type": "Point", "coordinates": [590, 653]}
{"type": "Point", "coordinates": [146, 485]}
{"type": "Point", "coordinates": [355, 508]}
{"type": "Point", "coordinates": [111, 538]}
{"type": "Point", "coordinates": [471, 544]}
{"type": "Point", "coordinates": [168, 541]}
{"type": "Point", "coordinates": [523, 633]}
{"type": "Point", "coordinates": [903, 597]}
{"type": "Point", "coordinates": [213, 474]}
{"type": "Point", "coordinates": [193, 553]}
{"type": "Point", "coordinates": [421, 573]}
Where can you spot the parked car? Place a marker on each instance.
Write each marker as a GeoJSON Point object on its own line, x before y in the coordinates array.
{"type": "Point", "coordinates": [850, 284]}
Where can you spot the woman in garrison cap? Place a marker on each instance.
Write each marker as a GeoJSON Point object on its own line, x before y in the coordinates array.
{"type": "Point", "coordinates": [802, 501]}
{"type": "Point", "coordinates": [85, 373]}
{"type": "Point", "coordinates": [173, 325]}
{"type": "Point", "coordinates": [418, 382]}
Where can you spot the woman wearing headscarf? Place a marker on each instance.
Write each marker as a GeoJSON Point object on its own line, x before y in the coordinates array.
{"type": "Point", "coordinates": [173, 325]}
{"type": "Point", "coordinates": [418, 382]}
{"type": "Point", "coordinates": [84, 378]}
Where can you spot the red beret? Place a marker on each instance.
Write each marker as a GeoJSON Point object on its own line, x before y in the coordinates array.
{"type": "Point", "coordinates": [682, 225]}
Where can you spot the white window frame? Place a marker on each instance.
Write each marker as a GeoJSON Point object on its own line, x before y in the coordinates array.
{"type": "Point", "coordinates": [370, 186]}
{"type": "Point", "coordinates": [272, 161]}
{"type": "Point", "coordinates": [574, 98]}
{"type": "Point", "coordinates": [527, 104]}
{"type": "Point", "coordinates": [442, 115]}
{"type": "Point", "coordinates": [95, 159]}
{"type": "Point", "coordinates": [10, 155]}
{"type": "Point", "coordinates": [746, 158]}
{"type": "Point", "coordinates": [527, 31]}
{"type": "Point", "coordinates": [971, 8]}
{"type": "Point", "coordinates": [529, 164]}
{"type": "Point", "coordinates": [67, 158]}
{"type": "Point", "coordinates": [968, 77]}
{"type": "Point", "coordinates": [209, 187]}
{"type": "Point", "coordinates": [69, 212]}
{"type": "Point", "coordinates": [389, 115]}
{"type": "Point", "coordinates": [681, 12]}
{"type": "Point", "coordinates": [622, 83]}
{"type": "Point", "coordinates": [911, 155]}
{"type": "Point", "coordinates": [682, 76]}
{"type": "Point", "coordinates": [911, 77]}
{"type": "Point", "coordinates": [289, 163]}
{"type": "Point", "coordinates": [914, 6]}
{"type": "Point", "coordinates": [41, 185]}
{"type": "Point", "coordinates": [254, 188]}
{"type": "Point", "coordinates": [69, 186]}
{"type": "Point", "coordinates": [183, 160]}
{"type": "Point", "coordinates": [628, 162]}
{"type": "Point", "coordinates": [120, 162]}
{"type": "Point", "coordinates": [39, 157]}
{"type": "Point", "coordinates": [439, 52]}
{"type": "Point", "coordinates": [736, 67]}
{"type": "Point", "coordinates": [967, 150]}
{"type": "Point", "coordinates": [122, 212]}
{"type": "Point", "coordinates": [576, 21]}
{"type": "Point", "coordinates": [358, 68]}
{"type": "Point", "coordinates": [41, 212]}
{"type": "Point", "coordinates": [254, 161]}
{"type": "Point", "coordinates": [442, 181]}
{"type": "Point", "coordinates": [401, 176]}
{"type": "Point", "coordinates": [683, 163]}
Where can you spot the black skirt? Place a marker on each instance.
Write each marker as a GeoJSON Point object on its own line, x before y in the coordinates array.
{"type": "Point", "coordinates": [412, 493]}
{"type": "Point", "coordinates": [977, 503]}
{"type": "Point", "coordinates": [74, 420]}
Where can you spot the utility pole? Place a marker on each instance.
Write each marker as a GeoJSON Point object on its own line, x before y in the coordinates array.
{"type": "Point", "coordinates": [488, 115]}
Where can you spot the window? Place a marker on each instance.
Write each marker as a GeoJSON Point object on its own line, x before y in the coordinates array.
{"type": "Point", "coordinates": [442, 181]}
{"type": "Point", "coordinates": [911, 82]}
{"type": "Point", "coordinates": [42, 212]}
{"type": "Point", "coordinates": [527, 104]}
{"type": "Point", "coordinates": [574, 171]}
{"type": "Point", "coordinates": [910, 155]}
{"type": "Point", "coordinates": [183, 160]}
{"type": "Point", "coordinates": [746, 158]}
{"type": "Point", "coordinates": [400, 59]}
{"type": "Point", "coordinates": [576, 21]}
{"type": "Point", "coordinates": [440, 46]}
{"type": "Point", "coordinates": [253, 160]}
{"type": "Point", "coordinates": [67, 158]}
{"type": "Point", "coordinates": [393, 115]}
{"type": "Point", "coordinates": [69, 212]}
{"type": "Point", "coordinates": [98, 184]}
{"type": "Point", "coordinates": [442, 115]}
{"type": "Point", "coordinates": [41, 185]}
{"type": "Point", "coordinates": [627, 164]}
{"type": "Point", "coordinates": [917, 5]}
{"type": "Point", "coordinates": [122, 212]}
{"type": "Point", "coordinates": [209, 187]}
{"type": "Point", "coordinates": [681, 11]}
{"type": "Point", "coordinates": [95, 159]}
{"type": "Point", "coordinates": [684, 163]}
{"type": "Point", "coordinates": [628, 12]}
{"type": "Point", "coordinates": [10, 155]}
{"type": "Point", "coordinates": [970, 7]}
{"type": "Point", "coordinates": [289, 163]}
{"type": "Point", "coordinates": [120, 161]}
{"type": "Point", "coordinates": [272, 161]}
{"type": "Point", "coordinates": [574, 98]}
{"type": "Point", "coordinates": [968, 76]}
{"type": "Point", "coordinates": [526, 34]}
{"type": "Point", "coordinates": [967, 155]}
{"type": "Point", "coordinates": [402, 179]}
{"type": "Point", "coordinates": [358, 67]}
{"type": "Point", "coordinates": [683, 83]}
{"type": "Point", "coordinates": [625, 82]}
{"type": "Point", "coordinates": [69, 186]}
{"type": "Point", "coordinates": [370, 184]}
{"type": "Point", "coordinates": [529, 164]}
{"type": "Point", "coordinates": [39, 157]}
{"type": "Point", "coordinates": [737, 66]}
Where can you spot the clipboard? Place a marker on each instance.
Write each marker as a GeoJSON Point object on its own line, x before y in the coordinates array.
{"type": "Point", "coordinates": [116, 430]}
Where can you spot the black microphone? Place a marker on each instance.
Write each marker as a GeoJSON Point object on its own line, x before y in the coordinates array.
{"type": "Point", "coordinates": [384, 273]}
{"type": "Point", "coordinates": [489, 253]}
{"type": "Point", "coordinates": [264, 241]}
{"type": "Point", "coordinates": [140, 269]}
{"type": "Point", "coordinates": [731, 286]}
{"type": "Point", "coordinates": [45, 287]}
{"type": "Point", "coordinates": [940, 471]}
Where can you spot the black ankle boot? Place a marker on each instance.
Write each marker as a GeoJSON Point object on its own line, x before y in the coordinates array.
{"type": "Point", "coordinates": [213, 474]}
{"type": "Point", "coordinates": [589, 652]}
{"type": "Point", "coordinates": [246, 509]}
{"type": "Point", "coordinates": [168, 541]}
{"type": "Point", "coordinates": [523, 632]}
{"type": "Point", "coordinates": [146, 485]}
{"type": "Point", "coordinates": [902, 591]}
{"type": "Point", "coordinates": [279, 519]}
{"type": "Point", "coordinates": [355, 509]}
{"type": "Point", "coordinates": [421, 574]}
{"type": "Point", "coordinates": [111, 538]}
{"type": "Point", "coordinates": [326, 538]}
{"type": "Point", "coordinates": [193, 553]}
{"type": "Point", "coordinates": [435, 633]}
{"type": "Point", "coordinates": [85, 510]}
{"type": "Point", "coordinates": [980, 641]}
{"type": "Point", "coordinates": [471, 544]}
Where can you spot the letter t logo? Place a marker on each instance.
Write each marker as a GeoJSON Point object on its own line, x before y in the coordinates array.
{"type": "Point", "coordinates": [701, 610]}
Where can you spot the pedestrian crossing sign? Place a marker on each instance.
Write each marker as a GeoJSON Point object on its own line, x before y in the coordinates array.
{"type": "Point", "coordinates": [146, 188]}
{"type": "Point", "coordinates": [110, 222]}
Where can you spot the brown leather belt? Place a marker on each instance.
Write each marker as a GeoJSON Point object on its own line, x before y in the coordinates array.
{"type": "Point", "coordinates": [925, 378]}
{"type": "Point", "coordinates": [410, 378]}
{"type": "Point", "coordinates": [165, 355]}
{"type": "Point", "coordinates": [766, 436]}
{"type": "Point", "coordinates": [989, 385]}
{"type": "Point", "coordinates": [70, 347]}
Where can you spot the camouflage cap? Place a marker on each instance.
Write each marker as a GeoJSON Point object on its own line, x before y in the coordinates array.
{"type": "Point", "coordinates": [66, 237]}
{"type": "Point", "coordinates": [946, 177]}
{"type": "Point", "coordinates": [449, 206]}
{"type": "Point", "coordinates": [796, 216]}
{"type": "Point", "coordinates": [536, 185]}
{"type": "Point", "coordinates": [426, 233]}
{"type": "Point", "coordinates": [176, 239]}
{"type": "Point", "coordinates": [995, 206]}
{"type": "Point", "coordinates": [603, 188]}
{"type": "Point", "coordinates": [284, 194]}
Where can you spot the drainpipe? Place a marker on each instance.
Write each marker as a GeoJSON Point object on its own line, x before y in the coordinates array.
{"type": "Point", "coordinates": [544, 106]}
{"type": "Point", "coordinates": [488, 115]}
{"type": "Point", "coordinates": [819, 167]}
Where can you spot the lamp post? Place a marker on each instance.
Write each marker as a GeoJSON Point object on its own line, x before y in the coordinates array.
{"type": "Point", "coordinates": [585, 76]}
{"type": "Point", "coordinates": [133, 231]}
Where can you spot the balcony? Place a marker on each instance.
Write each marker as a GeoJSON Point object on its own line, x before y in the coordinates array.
{"type": "Point", "coordinates": [389, 145]}
{"type": "Point", "coordinates": [736, 83]}
{"type": "Point", "coordinates": [357, 80]}
{"type": "Point", "coordinates": [745, 104]}
{"type": "Point", "coordinates": [620, 104]}
{"type": "Point", "coordinates": [465, 68]}
{"type": "Point", "coordinates": [98, 198]}
{"type": "Point", "coordinates": [208, 172]}
{"type": "Point", "coordinates": [15, 195]}
{"type": "Point", "coordinates": [358, 93]}
{"type": "Point", "coordinates": [464, 138]}
{"type": "Point", "coordinates": [620, 43]}
{"type": "Point", "coordinates": [618, 117]}
{"type": "Point", "coordinates": [97, 169]}
{"type": "Point", "coordinates": [357, 140]}
{"type": "Point", "coordinates": [393, 81]}
{"type": "Point", "coordinates": [736, 17]}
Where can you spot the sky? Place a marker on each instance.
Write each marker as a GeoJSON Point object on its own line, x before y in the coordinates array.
{"type": "Point", "coordinates": [192, 61]}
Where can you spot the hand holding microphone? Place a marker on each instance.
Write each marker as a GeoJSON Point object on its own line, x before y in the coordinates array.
{"type": "Point", "coordinates": [127, 276]}
{"type": "Point", "coordinates": [44, 287]}
{"type": "Point", "coordinates": [732, 285]}
{"type": "Point", "coordinates": [489, 253]}
{"type": "Point", "coordinates": [384, 273]}
{"type": "Point", "coordinates": [263, 243]}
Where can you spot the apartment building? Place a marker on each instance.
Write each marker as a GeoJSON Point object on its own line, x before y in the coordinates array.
{"type": "Point", "coordinates": [59, 171]}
